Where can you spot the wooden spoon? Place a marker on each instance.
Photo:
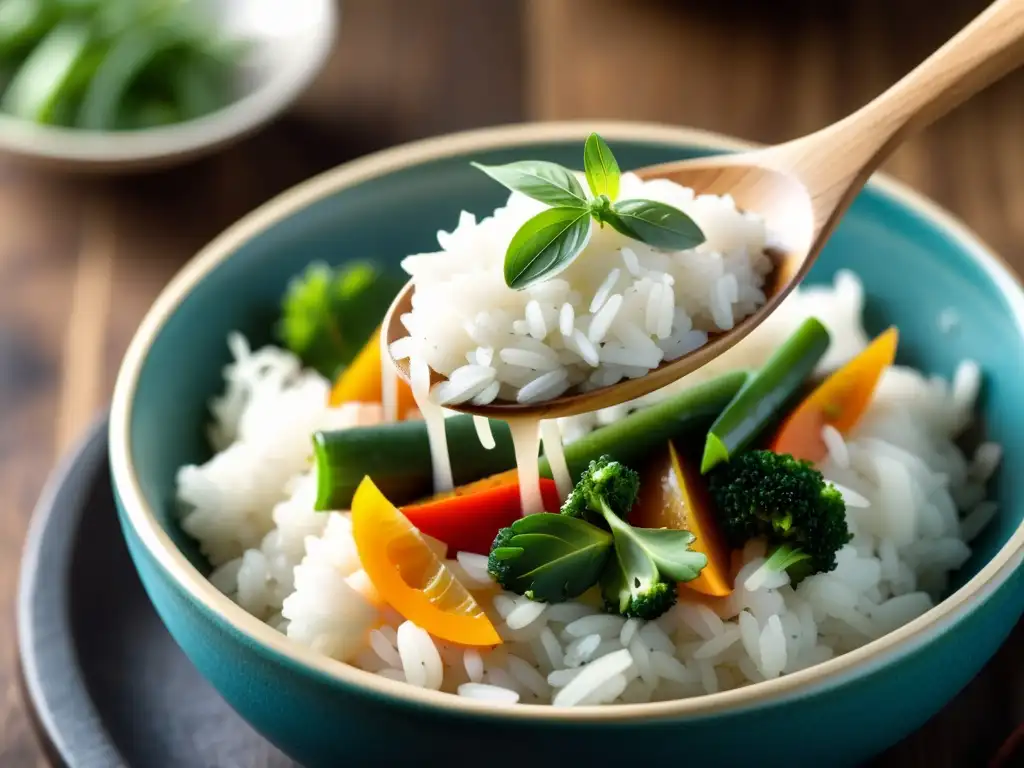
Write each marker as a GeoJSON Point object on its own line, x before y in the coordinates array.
{"type": "Point", "coordinates": [801, 188]}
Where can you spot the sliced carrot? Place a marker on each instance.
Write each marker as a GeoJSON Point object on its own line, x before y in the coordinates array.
{"type": "Point", "coordinates": [673, 495]}
{"type": "Point", "coordinates": [409, 575]}
{"type": "Point", "coordinates": [468, 518]}
{"type": "Point", "coordinates": [360, 382]}
{"type": "Point", "coordinates": [840, 400]}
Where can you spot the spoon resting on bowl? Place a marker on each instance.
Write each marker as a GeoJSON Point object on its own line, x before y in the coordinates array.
{"type": "Point", "coordinates": [800, 188]}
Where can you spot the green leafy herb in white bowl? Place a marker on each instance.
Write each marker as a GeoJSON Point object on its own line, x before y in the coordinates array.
{"type": "Point", "coordinates": [126, 84]}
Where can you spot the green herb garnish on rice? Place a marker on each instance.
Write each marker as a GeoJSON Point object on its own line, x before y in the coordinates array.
{"type": "Point", "coordinates": [550, 241]}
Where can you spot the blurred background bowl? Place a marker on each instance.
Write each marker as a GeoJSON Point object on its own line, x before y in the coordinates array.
{"type": "Point", "coordinates": [289, 43]}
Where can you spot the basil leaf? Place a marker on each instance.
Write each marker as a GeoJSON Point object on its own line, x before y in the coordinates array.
{"type": "Point", "coordinates": [657, 224]}
{"type": "Point", "coordinates": [553, 558]}
{"type": "Point", "coordinates": [545, 245]}
{"type": "Point", "coordinates": [600, 206]}
{"type": "Point", "coordinates": [549, 183]}
{"type": "Point", "coordinates": [601, 168]}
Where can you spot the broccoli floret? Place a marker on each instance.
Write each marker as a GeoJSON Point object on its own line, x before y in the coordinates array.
{"type": "Point", "coordinates": [605, 483]}
{"type": "Point", "coordinates": [632, 586]}
{"type": "Point", "coordinates": [640, 578]}
{"type": "Point", "coordinates": [784, 500]}
{"type": "Point", "coordinates": [500, 566]}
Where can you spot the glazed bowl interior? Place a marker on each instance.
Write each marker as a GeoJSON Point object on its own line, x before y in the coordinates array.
{"type": "Point", "coordinates": [914, 260]}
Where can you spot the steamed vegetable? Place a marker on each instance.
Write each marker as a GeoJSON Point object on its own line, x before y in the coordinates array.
{"type": "Point", "coordinates": [409, 576]}
{"type": "Point", "coordinates": [765, 394]}
{"type": "Point", "coordinates": [553, 558]}
{"type": "Point", "coordinates": [397, 456]}
{"type": "Point", "coordinates": [468, 518]}
{"type": "Point", "coordinates": [549, 557]}
{"type": "Point", "coordinates": [674, 495]}
{"type": "Point", "coordinates": [761, 494]}
{"type": "Point", "coordinates": [640, 579]}
{"type": "Point", "coordinates": [113, 64]}
{"type": "Point", "coordinates": [328, 314]}
{"type": "Point", "coordinates": [360, 382]}
{"type": "Point", "coordinates": [840, 401]}
{"type": "Point", "coordinates": [550, 241]}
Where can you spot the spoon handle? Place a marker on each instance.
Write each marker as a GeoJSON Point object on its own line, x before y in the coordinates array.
{"type": "Point", "coordinates": [984, 51]}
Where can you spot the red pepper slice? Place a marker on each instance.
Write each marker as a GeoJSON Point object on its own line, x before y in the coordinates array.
{"type": "Point", "coordinates": [468, 519]}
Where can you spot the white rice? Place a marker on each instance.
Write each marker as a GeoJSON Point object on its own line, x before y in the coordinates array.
{"type": "Point", "coordinates": [914, 502]}
{"type": "Point", "coordinates": [488, 693]}
{"type": "Point", "coordinates": [620, 305]}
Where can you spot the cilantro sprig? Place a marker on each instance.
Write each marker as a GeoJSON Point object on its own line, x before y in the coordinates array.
{"type": "Point", "coordinates": [329, 313]}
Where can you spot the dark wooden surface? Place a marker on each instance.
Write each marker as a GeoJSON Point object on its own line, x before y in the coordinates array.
{"type": "Point", "coordinates": [81, 260]}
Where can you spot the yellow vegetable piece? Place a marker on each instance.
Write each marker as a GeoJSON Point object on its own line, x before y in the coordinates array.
{"type": "Point", "coordinates": [673, 495]}
{"type": "Point", "coordinates": [360, 382]}
{"type": "Point", "coordinates": [409, 575]}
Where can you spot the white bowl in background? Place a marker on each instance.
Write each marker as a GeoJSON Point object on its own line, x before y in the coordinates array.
{"type": "Point", "coordinates": [290, 42]}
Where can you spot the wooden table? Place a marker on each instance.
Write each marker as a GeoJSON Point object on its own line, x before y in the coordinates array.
{"type": "Point", "coordinates": [81, 260]}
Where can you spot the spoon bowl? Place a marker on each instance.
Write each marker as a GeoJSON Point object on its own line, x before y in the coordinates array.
{"type": "Point", "coordinates": [776, 196]}
{"type": "Point", "coordinates": [801, 189]}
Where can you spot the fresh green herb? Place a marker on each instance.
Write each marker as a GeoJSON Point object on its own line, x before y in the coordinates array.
{"type": "Point", "coordinates": [106, 91]}
{"type": "Point", "coordinates": [657, 224]}
{"type": "Point", "coordinates": [43, 81]}
{"type": "Point", "coordinates": [108, 65]}
{"type": "Point", "coordinates": [765, 394]}
{"type": "Point", "coordinates": [550, 558]}
{"type": "Point", "coordinates": [640, 579]}
{"type": "Point", "coordinates": [550, 241]}
{"type": "Point", "coordinates": [22, 22]}
{"type": "Point", "coordinates": [545, 245]}
{"type": "Point", "coordinates": [328, 314]}
{"type": "Point", "coordinates": [546, 182]}
{"type": "Point", "coordinates": [601, 168]}
{"type": "Point", "coordinates": [761, 494]}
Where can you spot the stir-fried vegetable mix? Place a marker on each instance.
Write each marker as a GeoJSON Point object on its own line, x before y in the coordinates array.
{"type": "Point", "coordinates": [113, 65]}
{"type": "Point", "coordinates": [648, 514]}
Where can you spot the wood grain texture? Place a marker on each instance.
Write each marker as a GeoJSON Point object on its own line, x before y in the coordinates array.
{"type": "Point", "coordinates": [80, 261]}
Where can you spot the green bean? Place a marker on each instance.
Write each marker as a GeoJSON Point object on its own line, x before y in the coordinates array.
{"type": "Point", "coordinates": [196, 88]}
{"type": "Point", "coordinates": [397, 456]}
{"type": "Point", "coordinates": [106, 65]}
{"type": "Point", "coordinates": [23, 23]}
{"type": "Point", "coordinates": [44, 79]}
{"type": "Point", "coordinates": [106, 92]}
{"type": "Point", "coordinates": [765, 394]}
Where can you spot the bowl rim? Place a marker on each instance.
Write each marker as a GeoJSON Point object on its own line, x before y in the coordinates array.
{"type": "Point", "coordinates": [233, 121]}
{"type": "Point", "coordinates": [137, 512]}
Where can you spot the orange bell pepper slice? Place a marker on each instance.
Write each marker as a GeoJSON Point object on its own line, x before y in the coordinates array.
{"type": "Point", "coordinates": [840, 400]}
{"type": "Point", "coordinates": [468, 518]}
{"type": "Point", "coordinates": [410, 577]}
{"type": "Point", "coordinates": [673, 495]}
{"type": "Point", "coordinates": [360, 382]}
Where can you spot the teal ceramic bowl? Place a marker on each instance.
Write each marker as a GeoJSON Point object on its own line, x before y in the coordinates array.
{"type": "Point", "coordinates": [915, 261]}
